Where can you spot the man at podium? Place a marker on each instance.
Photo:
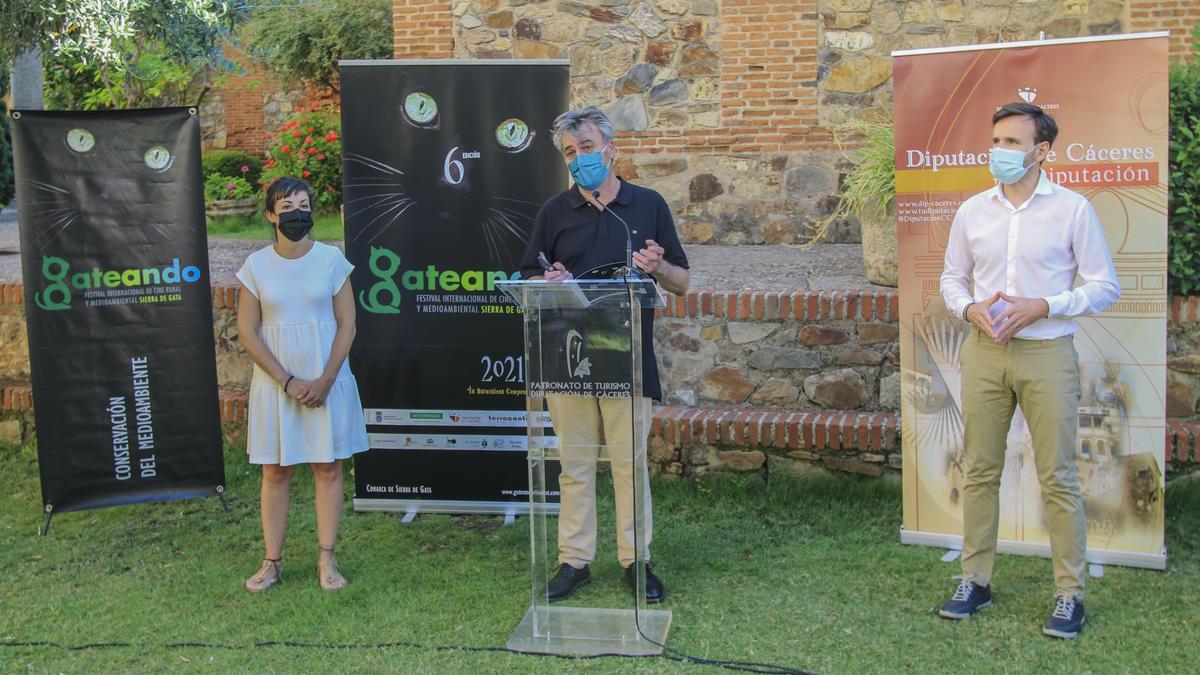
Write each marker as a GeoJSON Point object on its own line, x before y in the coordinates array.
{"type": "Point", "coordinates": [586, 231]}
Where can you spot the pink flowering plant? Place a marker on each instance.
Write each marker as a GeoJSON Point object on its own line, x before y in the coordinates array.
{"type": "Point", "coordinates": [309, 146]}
{"type": "Point", "coordinates": [217, 187]}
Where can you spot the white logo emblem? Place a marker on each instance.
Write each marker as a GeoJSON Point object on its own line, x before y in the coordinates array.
{"type": "Point", "coordinates": [577, 367]}
{"type": "Point", "coordinates": [1027, 94]}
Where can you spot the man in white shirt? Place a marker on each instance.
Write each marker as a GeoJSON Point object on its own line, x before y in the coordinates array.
{"type": "Point", "coordinates": [1011, 263]}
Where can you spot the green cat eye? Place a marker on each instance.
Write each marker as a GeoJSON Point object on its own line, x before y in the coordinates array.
{"type": "Point", "coordinates": [80, 140]}
{"type": "Point", "coordinates": [513, 134]}
{"type": "Point", "coordinates": [158, 158]}
{"type": "Point", "coordinates": [420, 108]}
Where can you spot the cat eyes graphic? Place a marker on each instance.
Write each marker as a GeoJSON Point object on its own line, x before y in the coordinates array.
{"type": "Point", "coordinates": [81, 140]}
{"type": "Point", "coordinates": [381, 194]}
{"type": "Point", "coordinates": [513, 135]}
{"type": "Point", "coordinates": [420, 110]}
{"type": "Point", "coordinates": [55, 209]}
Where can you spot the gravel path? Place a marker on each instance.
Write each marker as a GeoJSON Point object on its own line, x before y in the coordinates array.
{"type": "Point", "coordinates": [824, 267]}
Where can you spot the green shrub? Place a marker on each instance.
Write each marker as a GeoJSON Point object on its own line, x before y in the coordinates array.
{"type": "Point", "coordinates": [870, 186]}
{"type": "Point", "coordinates": [309, 146]}
{"type": "Point", "coordinates": [233, 163]}
{"type": "Point", "coordinates": [1183, 209]}
{"type": "Point", "coordinates": [227, 187]}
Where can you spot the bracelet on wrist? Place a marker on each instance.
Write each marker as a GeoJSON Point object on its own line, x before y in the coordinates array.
{"type": "Point", "coordinates": [964, 314]}
{"type": "Point", "coordinates": [289, 381]}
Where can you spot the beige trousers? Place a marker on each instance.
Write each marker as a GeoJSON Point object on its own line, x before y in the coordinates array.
{"type": "Point", "coordinates": [1042, 376]}
{"type": "Point", "coordinates": [588, 429]}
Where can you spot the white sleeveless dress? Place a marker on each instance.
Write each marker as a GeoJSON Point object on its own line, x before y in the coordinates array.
{"type": "Point", "coordinates": [298, 326]}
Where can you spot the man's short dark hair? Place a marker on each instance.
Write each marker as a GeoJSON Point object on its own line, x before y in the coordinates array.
{"type": "Point", "coordinates": [1045, 128]}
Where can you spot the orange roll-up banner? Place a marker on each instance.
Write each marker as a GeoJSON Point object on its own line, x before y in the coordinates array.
{"type": "Point", "coordinates": [1109, 96]}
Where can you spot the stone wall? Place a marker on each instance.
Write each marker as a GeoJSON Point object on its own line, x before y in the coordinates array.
{"type": "Point", "coordinates": [858, 37]}
{"type": "Point", "coordinates": [1183, 358]}
{"type": "Point", "coordinates": [728, 107]}
{"type": "Point", "coordinates": [653, 65]}
{"type": "Point", "coordinates": [754, 380]}
{"type": "Point", "coordinates": [802, 350]}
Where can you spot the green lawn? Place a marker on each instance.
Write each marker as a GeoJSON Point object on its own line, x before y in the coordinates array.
{"type": "Point", "coordinates": [327, 226]}
{"type": "Point", "coordinates": [805, 572]}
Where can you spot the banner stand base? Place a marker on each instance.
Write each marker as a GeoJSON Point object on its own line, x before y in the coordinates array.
{"type": "Point", "coordinates": [417, 506]}
{"type": "Point", "coordinates": [1094, 555]}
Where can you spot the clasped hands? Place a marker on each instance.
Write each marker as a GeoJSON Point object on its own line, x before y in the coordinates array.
{"type": "Point", "coordinates": [310, 393]}
{"type": "Point", "coordinates": [1020, 313]}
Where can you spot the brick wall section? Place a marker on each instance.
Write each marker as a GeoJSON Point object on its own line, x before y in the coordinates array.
{"type": "Point", "coordinates": [846, 441]}
{"type": "Point", "coordinates": [1183, 442]}
{"type": "Point", "coordinates": [768, 86]}
{"type": "Point", "coordinates": [882, 305]}
{"type": "Point", "coordinates": [769, 66]}
{"type": "Point", "coordinates": [422, 29]}
{"type": "Point", "coordinates": [244, 97]}
{"type": "Point", "coordinates": [1185, 311]}
{"type": "Point", "coordinates": [1177, 16]}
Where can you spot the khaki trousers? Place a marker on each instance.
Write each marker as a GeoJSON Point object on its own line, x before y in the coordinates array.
{"type": "Point", "coordinates": [587, 429]}
{"type": "Point", "coordinates": [1042, 376]}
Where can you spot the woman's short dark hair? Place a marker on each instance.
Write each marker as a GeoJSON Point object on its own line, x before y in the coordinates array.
{"type": "Point", "coordinates": [1045, 128]}
{"type": "Point", "coordinates": [285, 186]}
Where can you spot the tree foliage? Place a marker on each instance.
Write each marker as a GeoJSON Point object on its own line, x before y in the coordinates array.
{"type": "Point", "coordinates": [304, 43]}
{"type": "Point", "coordinates": [121, 53]}
{"type": "Point", "coordinates": [99, 31]}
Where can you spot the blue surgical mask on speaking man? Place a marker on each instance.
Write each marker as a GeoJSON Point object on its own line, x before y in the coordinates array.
{"type": "Point", "coordinates": [1008, 166]}
{"type": "Point", "coordinates": [588, 170]}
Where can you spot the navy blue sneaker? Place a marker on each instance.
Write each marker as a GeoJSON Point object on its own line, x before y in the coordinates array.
{"type": "Point", "coordinates": [1067, 619]}
{"type": "Point", "coordinates": [968, 599]}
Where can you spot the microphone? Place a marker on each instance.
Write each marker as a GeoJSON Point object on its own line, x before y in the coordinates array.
{"type": "Point", "coordinates": [629, 268]}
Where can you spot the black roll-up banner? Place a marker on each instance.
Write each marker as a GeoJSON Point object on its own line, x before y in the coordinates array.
{"type": "Point", "coordinates": [114, 258]}
{"type": "Point", "coordinates": [445, 166]}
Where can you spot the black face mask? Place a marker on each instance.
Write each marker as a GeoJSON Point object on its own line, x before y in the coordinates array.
{"type": "Point", "coordinates": [295, 224]}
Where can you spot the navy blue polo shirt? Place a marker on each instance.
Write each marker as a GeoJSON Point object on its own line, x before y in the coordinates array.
{"type": "Point", "coordinates": [571, 231]}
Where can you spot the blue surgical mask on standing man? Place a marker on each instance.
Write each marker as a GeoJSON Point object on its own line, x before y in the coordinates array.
{"type": "Point", "coordinates": [1008, 166]}
{"type": "Point", "coordinates": [588, 170]}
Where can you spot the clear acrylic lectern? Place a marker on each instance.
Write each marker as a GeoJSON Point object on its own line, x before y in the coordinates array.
{"type": "Point", "coordinates": [583, 338]}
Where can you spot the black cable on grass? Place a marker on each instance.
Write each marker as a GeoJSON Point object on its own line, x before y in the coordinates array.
{"type": "Point", "coordinates": [675, 655]}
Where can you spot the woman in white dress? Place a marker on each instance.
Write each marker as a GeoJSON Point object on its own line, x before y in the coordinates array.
{"type": "Point", "coordinates": [296, 321]}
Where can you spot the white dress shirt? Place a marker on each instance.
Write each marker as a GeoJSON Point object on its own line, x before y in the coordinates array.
{"type": "Point", "coordinates": [1033, 250]}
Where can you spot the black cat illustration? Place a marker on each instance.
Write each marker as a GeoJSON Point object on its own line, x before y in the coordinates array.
{"type": "Point", "coordinates": [453, 169]}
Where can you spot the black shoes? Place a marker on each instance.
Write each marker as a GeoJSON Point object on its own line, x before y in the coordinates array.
{"type": "Point", "coordinates": [655, 592]}
{"type": "Point", "coordinates": [566, 580]}
{"type": "Point", "coordinates": [968, 599]}
{"type": "Point", "coordinates": [1067, 619]}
